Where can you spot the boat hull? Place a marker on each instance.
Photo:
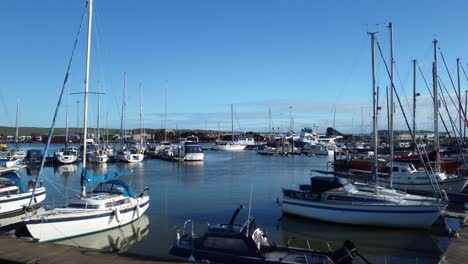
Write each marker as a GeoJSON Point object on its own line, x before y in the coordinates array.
{"type": "Point", "coordinates": [413, 216]}
{"type": "Point", "coordinates": [16, 202]}
{"type": "Point", "coordinates": [57, 226]}
{"type": "Point", "coordinates": [449, 186]}
{"type": "Point", "coordinates": [131, 158]}
{"type": "Point", "coordinates": [194, 156]}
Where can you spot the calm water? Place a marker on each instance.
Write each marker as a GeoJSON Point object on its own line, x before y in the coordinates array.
{"type": "Point", "coordinates": [209, 192]}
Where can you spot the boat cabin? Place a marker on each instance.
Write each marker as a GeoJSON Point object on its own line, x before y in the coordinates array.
{"type": "Point", "coordinates": [107, 194]}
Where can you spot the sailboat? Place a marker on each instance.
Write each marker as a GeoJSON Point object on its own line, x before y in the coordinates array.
{"type": "Point", "coordinates": [98, 154]}
{"type": "Point", "coordinates": [111, 204]}
{"type": "Point", "coordinates": [67, 154]}
{"type": "Point", "coordinates": [17, 153]}
{"type": "Point", "coordinates": [235, 144]}
{"type": "Point", "coordinates": [130, 151]}
{"type": "Point", "coordinates": [404, 176]}
{"type": "Point", "coordinates": [334, 199]}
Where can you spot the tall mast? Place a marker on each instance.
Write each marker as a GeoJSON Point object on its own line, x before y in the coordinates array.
{"type": "Point", "coordinates": [124, 109]}
{"type": "Point", "coordinates": [85, 119]}
{"type": "Point", "coordinates": [107, 127]}
{"type": "Point", "coordinates": [17, 121]}
{"type": "Point", "coordinates": [66, 114]}
{"type": "Point", "coordinates": [165, 112]}
{"type": "Point", "coordinates": [98, 112]}
{"type": "Point", "coordinates": [374, 109]}
{"type": "Point", "coordinates": [232, 123]}
{"type": "Point", "coordinates": [460, 108]}
{"type": "Point", "coordinates": [141, 119]}
{"type": "Point", "coordinates": [414, 99]}
{"type": "Point", "coordinates": [391, 109]}
{"type": "Point", "coordinates": [436, 108]}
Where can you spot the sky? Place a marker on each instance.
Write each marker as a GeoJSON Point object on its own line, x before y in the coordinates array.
{"type": "Point", "coordinates": [309, 61]}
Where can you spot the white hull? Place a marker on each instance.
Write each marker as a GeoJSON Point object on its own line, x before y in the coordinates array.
{"type": "Point", "coordinates": [64, 223]}
{"type": "Point", "coordinates": [401, 216]}
{"type": "Point", "coordinates": [65, 159]}
{"type": "Point", "coordinates": [16, 202]}
{"type": "Point", "coordinates": [98, 158]}
{"type": "Point", "coordinates": [228, 147]}
{"type": "Point", "coordinates": [449, 186]}
{"type": "Point", "coordinates": [194, 157]}
{"type": "Point", "coordinates": [131, 158]}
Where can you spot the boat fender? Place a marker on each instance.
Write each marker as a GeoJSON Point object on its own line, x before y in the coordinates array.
{"type": "Point", "coordinates": [137, 210]}
{"type": "Point", "coordinates": [117, 215]}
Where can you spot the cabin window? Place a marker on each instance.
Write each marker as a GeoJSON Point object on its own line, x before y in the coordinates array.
{"type": "Point", "coordinates": [119, 202]}
{"type": "Point", "coordinates": [84, 206]}
{"type": "Point", "coordinates": [224, 243]}
{"type": "Point", "coordinates": [395, 169]}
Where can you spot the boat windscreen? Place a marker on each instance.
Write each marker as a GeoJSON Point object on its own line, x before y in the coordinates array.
{"type": "Point", "coordinates": [115, 187]}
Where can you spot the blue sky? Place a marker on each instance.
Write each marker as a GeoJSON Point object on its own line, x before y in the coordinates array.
{"type": "Point", "coordinates": [311, 55]}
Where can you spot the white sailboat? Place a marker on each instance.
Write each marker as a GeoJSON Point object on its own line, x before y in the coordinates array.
{"type": "Point", "coordinates": [112, 203]}
{"type": "Point", "coordinates": [98, 154]}
{"type": "Point", "coordinates": [67, 154]}
{"type": "Point", "coordinates": [232, 145]}
{"type": "Point", "coordinates": [130, 152]}
{"type": "Point", "coordinates": [335, 200]}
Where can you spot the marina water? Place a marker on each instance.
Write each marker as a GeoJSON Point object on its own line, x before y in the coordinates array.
{"type": "Point", "coordinates": [209, 191]}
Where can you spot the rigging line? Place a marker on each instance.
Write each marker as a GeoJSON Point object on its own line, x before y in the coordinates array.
{"type": "Point", "coordinates": [452, 122]}
{"type": "Point", "coordinates": [463, 69]}
{"type": "Point", "coordinates": [409, 127]}
{"type": "Point", "coordinates": [448, 72]}
{"type": "Point", "coordinates": [401, 84]}
{"type": "Point", "coordinates": [51, 131]}
{"type": "Point", "coordinates": [453, 85]}
{"type": "Point", "coordinates": [432, 96]}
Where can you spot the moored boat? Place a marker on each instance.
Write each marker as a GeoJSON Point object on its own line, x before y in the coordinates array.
{"type": "Point", "coordinates": [247, 243]}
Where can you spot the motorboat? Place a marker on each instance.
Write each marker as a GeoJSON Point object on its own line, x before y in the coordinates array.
{"type": "Point", "coordinates": [247, 243]}
{"type": "Point", "coordinates": [189, 149]}
{"type": "Point", "coordinates": [405, 177]}
{"type": "Point", "coordinates": [334, 199]}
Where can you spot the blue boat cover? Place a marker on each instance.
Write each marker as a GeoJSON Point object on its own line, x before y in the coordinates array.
{"type": "Point", "coordinates": [88, 179]}
{"type": "Point", "coordinates": [13, 176]}
{"type": "Point", "coordinates": [115, 187]}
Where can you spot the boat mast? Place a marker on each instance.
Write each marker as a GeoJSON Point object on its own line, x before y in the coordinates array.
{"type": "Point", "coordinates": [85, 122]}
{"type": "Point", "coordinates": [436, 108]}
{"type": "Point", "coordinates": [66, 114]}
{"type": "Point", "coordinates": [124, 107]}
{"type": "Point", "coordinates": [460, 108]}
{"type": "Point", "coordinates": [232, 123]}
{"type": "Point", "coordinates": [374, 110]}
{"type": "Point", "coordinates": [17, 121]}
{"type": "Point", "coordinates": [141, 119]}
{"type": "Point", "coordinates": [414, 100]}
{"type": "Point", "coordinates": [98, 112]}
{"type": "Point", "coordinates": [391, 109]}
{"type": "Point", "coordinates": [165, 113]}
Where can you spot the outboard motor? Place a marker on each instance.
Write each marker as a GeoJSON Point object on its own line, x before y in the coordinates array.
{"type": "Point", "coordinates": [345, 254]}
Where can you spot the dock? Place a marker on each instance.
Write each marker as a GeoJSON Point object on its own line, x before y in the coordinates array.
{"type": "Point", "coordinates": [456, 251]}
{"type": "Point", "coordinates": [19, 251]}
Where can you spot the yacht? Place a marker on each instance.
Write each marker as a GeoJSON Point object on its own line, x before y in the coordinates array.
{"type": "Point", "coordinates": [130, 153]}
{"type": "Point", "coordinates": [334, 199]}
{"type": "Point", "coordinates": [190, 150]}
{"type": "Point", "coordinates": [66, 155]}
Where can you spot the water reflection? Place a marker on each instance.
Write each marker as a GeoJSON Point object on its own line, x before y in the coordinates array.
{"type": "Point", "coordinates": [377, 244]}
{"type": "Point", "coordinates": [66, 169]}
{"type": "Point", "coordinates": [114, 240]}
